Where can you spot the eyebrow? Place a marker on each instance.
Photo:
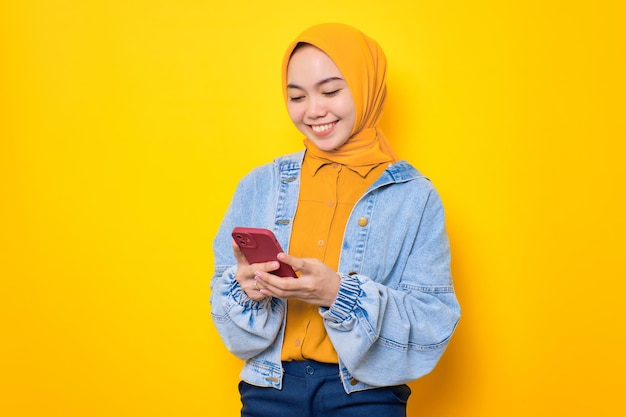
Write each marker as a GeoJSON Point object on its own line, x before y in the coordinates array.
{"type": "Point", "coordinates": [317, 84]}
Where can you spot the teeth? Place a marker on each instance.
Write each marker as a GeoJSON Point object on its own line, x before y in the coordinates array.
{"type": "Point", "coordinates": [322, 128]}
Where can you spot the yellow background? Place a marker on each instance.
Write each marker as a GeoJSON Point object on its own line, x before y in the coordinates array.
{"type": "Point", "coordinates": [125, 125]}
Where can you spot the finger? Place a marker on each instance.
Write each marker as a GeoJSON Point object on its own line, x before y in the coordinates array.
{"type": "Point", "coordinates": [296, 263]}
{"type": "Point", "coordinates": [259, 288]}
{"type": "Point", "coordinates": [273, 285]}
{"type": "Point", "coordinates": [254, 290]}
{"type": "Point", "coordinates": [241, 260]}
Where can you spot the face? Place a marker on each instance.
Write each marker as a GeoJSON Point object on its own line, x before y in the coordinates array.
{"type": "Point", "coordinates": [319, 101]}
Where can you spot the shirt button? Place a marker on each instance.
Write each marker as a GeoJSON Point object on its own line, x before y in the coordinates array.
{"type": "Point", "coordinates": [330, 203]}
{"type": "Point", "coordinates": [298, 342]}
{"type": "Point", "coordinates": [363, 221]}
{"type": "Point", "coordinates": [320, 242]}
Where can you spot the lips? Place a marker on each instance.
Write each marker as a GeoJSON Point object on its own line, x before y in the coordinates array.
{"type": "Point", "coordinates": [323, 129]}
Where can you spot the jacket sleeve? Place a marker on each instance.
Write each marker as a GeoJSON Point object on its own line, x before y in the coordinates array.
{"type": "Point", "coordinates": [390, 330]}
{"type": "Point", "coordinates": [247, 327]}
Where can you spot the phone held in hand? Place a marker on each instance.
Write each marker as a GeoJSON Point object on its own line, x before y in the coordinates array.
{"type": "Point", "coordinates": [260, 245]}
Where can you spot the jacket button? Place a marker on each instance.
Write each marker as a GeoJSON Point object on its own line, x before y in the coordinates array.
{"type": "Point", "coordinates": [354, 381]}
{"type": "Point", "coordinates": [362, 221]}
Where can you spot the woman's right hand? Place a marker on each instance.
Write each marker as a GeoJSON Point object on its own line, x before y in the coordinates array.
{"type": "Point", "coordinates": [245, 275]}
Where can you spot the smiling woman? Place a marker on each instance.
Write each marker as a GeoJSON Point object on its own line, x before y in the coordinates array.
{"type": "Point", "coordinates": [337, 206]}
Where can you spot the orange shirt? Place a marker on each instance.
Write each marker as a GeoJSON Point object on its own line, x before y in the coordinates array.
{"type": "Point", "coordinates": [328, 192]}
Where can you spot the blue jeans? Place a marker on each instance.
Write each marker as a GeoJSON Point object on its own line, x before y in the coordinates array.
{"type": "Point", "coordinates": [313, 389]}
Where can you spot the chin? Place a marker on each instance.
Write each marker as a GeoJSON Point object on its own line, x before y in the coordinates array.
{"type": "Point", "coordinates": [328, 147]}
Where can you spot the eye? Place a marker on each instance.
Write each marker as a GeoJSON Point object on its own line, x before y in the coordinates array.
{"type": "Point", "coordinates": [296, 99]}
{"type": "Point", "coordinates": [332, 93]}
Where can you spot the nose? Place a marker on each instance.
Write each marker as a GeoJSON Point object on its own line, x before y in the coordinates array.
{"type": "Point", "coordinates": [316, 109]}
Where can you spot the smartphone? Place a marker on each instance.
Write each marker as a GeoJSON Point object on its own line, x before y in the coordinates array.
{"type": "Point", "coordinates": [260, 245]}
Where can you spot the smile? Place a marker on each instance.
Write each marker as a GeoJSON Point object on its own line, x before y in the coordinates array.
{"type": "Point", "coordinates": [322, 128]}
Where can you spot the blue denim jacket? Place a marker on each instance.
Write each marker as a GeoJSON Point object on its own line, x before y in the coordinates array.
{"type": "Point", "coordinates": [396, 308]}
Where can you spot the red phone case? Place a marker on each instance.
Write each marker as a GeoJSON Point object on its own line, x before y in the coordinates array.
{"type": "Point", "coordinates": [260, 245]}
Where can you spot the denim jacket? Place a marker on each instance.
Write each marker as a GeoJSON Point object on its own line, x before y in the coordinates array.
{"type": "Point", "coordinates": [396, 308]}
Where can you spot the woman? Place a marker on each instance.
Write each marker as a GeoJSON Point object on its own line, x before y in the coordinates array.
{"type": "Point", "coordinates": [373, 306]}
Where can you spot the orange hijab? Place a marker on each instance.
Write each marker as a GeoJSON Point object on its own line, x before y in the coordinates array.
{"type": "Point", "coordinates": [363, 65]}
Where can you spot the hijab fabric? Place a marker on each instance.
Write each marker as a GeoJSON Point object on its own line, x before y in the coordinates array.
{"type": "Point", "coordinates": [363, 65]}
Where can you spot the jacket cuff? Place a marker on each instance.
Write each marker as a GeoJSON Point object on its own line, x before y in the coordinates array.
{"type": "Point", "coordinates": [239, 296]}
{"type": "Point", "coordinates": [346, 300]}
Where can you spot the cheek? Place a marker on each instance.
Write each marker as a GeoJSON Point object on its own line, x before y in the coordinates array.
{"type": "Point", "coordinates": [349, 117]}
{"type": "Point", "coordinates": [295, 113]}
{"type": "Point", "coordinates": [348, 108]}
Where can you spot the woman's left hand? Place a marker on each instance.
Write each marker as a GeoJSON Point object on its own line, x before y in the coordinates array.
{"type": "Point", "coordinates": [317, 283]}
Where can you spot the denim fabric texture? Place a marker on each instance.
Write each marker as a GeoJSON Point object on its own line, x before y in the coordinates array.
{"type": "Point", "coordinates": [396, 308]}
{"type": "Point", "coordinates": [313, 389]}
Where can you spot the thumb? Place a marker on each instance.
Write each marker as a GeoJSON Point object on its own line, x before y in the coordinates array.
{"type": "Point", "coordinates": [241, 259]}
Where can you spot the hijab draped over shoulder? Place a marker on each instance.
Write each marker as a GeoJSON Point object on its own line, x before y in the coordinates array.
{"type": "Point", "coordinates": [363, 65]}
